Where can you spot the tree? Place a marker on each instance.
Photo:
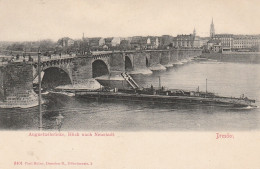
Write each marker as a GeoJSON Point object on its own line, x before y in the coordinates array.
{"type": "Point", "coordinates": [16, 47]}
{"type": "Point", "coordinates": [46, 45]}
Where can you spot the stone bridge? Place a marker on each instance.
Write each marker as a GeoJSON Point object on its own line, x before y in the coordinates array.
{"type": "Point", "coordinates": [17, 77]}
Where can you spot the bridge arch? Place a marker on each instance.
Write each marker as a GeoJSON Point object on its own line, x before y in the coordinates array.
{"type": "Point", "coordinates": [99, 68]}
{"type": "Point", "coordinates": [55, 76]}
{"type": "Point", "coordinates": [128, 64]}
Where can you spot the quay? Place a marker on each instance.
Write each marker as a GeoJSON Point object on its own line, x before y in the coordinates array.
{"type": "Point", "coordinates": [241, 57]}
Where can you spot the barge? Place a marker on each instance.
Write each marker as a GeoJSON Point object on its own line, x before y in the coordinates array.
{"type": "Point", "coordinates": [168, 97]}
{"type": "Point", "coordinates": [163, 95]}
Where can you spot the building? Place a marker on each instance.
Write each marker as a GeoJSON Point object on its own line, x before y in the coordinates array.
{"type": "Point", "coordinates": [125, 44]}
{"type": "Point", "coordinates": [165, 41]}
{"type": "Point", "coordinates": [65, 42]}
{"type": "Point", "coordinates": [108, 42]}
{"type": "Point", "coordinates": [112, 42]}
{"type": "Point", "coordinates": [96, 43]}
{"type": "Point", "coordinates": [226, 40]}
{"type": "Point", "coordinates": [214, 45]}
{"type": "Point", "coordinates": [152, 42]}
{"type": "Point", "coordinates": [139, 42]}
{"type": "Point", "coordinates": [236, 42]}
{"type": "Point", "coordinates": [196, 43]}
{"type": "Point", "coordinates": [204, 41]}
{"type": "Point", "coordinates": [212, 30]}
{"type": "Point", "coordinates": [246, 42]}
{"type": "Point", "coordinates": [186, 41]}
{"type": "Point", "coordinates": [183, 41]}
{"type": "Point", "coordinates": [136, 42]}
{"type": "Point", "coordinates": [70, 42]}
{"type": "Point", "coordinates": [116, 41]}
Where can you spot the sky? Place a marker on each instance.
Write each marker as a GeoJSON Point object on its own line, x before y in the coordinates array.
{"type": "Point", "coordinates": [29, 20]}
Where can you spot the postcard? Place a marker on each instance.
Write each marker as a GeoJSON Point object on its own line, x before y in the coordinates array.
{"type": "Point", "coordinates": [112, 84]}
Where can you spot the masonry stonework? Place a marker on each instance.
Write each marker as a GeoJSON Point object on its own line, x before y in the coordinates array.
{"type": "Point", "coordinates": [17, 86]}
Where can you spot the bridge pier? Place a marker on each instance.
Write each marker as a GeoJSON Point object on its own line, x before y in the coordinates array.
{"type": "Point", "coordinates": [141, 62]}
{"type": "Point", "coordinates": [173, 56]}
{"type": "Point", "coordinates": [117, 64]}
{"type": "Point", "coordinates": [166, 59]}
{"type": "Point", "coordinates": [156, 61]}
{"type": "Point", "coordinates": [82, 69]}
{"type": "Point", "coordinates": [16, 88]}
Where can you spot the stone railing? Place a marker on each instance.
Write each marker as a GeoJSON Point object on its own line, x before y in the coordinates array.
{"type": "Point", "coordinates": [5, 59]}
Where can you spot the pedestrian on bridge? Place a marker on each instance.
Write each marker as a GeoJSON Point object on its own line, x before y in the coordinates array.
{"type": "Point", "coordinates": [30, 58]}
{"type": "Point", "coordinates": [23, 57]}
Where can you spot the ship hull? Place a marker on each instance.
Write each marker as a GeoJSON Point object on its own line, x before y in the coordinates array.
{"type": "Point", "coordinates": [161, 99]}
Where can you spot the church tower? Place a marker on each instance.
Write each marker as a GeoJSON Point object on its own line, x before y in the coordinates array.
{"type": "Point", "coordinates": [194, 32]}
{"type": "Point", "coordinates": [83, 37]}
{"type": "Point", "coordinates": [212, 29]}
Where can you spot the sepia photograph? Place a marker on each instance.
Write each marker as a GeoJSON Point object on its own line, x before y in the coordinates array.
{"type": "Point", "coordinates": [87, 75]}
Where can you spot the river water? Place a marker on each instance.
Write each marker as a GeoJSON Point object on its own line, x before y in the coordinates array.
{"type": "Point", "coordinates": [228, 79]}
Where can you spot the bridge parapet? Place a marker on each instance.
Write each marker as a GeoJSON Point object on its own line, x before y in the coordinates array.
{"type": "Point", "coordinates": [110, 53]}
{"type": "Point", "coordinates": [33, 59]}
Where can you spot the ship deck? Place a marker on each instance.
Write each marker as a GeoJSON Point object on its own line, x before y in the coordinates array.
{"type": "Point", "coordinates": [235, 102]}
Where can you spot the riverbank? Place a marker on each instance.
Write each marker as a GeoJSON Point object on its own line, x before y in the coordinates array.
{"type": "Point", "coordinates": [241, 57]}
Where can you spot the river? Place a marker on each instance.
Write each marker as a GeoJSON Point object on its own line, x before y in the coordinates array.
{"type": "Point", "coordinates": [228, 79]}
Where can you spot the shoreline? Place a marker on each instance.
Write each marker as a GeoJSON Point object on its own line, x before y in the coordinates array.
{"type": "Point", "coordinates": [252, 57]}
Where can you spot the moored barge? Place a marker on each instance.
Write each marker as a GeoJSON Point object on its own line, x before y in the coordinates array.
{"type": "Point", "coordinates": [163, 95]}
{"type": "Point", "coordinates": [166, 96]}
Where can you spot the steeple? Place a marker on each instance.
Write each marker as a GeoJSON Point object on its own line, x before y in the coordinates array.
{"type": "Point", "coordinates": [212, 29]}
{"type": "Point", "coordinates": [194, 32]}
{"type": "Point", "coordinates": [83, 36]}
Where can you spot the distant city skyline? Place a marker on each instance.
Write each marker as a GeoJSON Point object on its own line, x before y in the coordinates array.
{"type": "Point", "coordinates": [26, 20]}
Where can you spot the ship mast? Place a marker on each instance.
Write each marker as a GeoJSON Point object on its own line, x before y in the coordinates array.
{"type": "Point", "coordinates": [206, 85]}
{"type": "Point", "coordinates": [159, 82]}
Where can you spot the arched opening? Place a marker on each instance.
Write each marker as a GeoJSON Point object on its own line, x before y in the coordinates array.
{"type": "Point", "coordinates": [54, 77]}
{"type": "Point", "coordinates": [99, 68]}
{"type": "Point", "coordinates": [128, 64]}
{"type": "Point", "coordinates": [147, 63]}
